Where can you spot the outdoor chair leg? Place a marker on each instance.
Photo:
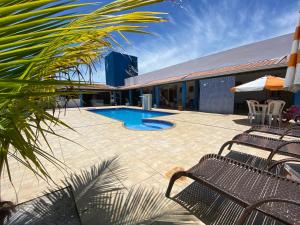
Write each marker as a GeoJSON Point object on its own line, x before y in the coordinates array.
{"type": "Point", "coordinates": [279, 120]}
{"type": "Point", "coordinates": [250, 119]}
{"type": "Point", "coordinates": [270, 120]}
{"type": "Point", "coordinates": [258, 119]}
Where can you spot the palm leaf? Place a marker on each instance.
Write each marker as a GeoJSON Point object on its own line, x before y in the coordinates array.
{"type": "Point", "coordinates": [141, 205]}
{"type": "Point", "coordinates": [43, 46]}
{"type": "Point", "coordinates": [99, 180]}
{"type": "Point", "coordinates": [101, 199]}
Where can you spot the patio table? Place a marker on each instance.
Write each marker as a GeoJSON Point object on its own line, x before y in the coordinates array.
{"type": "Point", "coordinates": [263, 108]}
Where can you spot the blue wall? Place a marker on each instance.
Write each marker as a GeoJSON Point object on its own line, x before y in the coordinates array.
{"type": "Point", "coordinates": [130, 97]}
{"type": "Point", "coordinates": [197, 94]}
{"type": "Point", "coordinates": [118, 67]}
{"type": "Point", "coordinates": [297, 98]}
{"type": "Point", "coordinates": [183, 94]}
{"type": "Point", "coordinates": [215, 95]}
{"type": "Point", "coordinates": [157, 95]}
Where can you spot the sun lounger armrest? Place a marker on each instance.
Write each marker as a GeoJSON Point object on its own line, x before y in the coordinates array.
{"type": "Point", "coordinates": [174, 177]}
{"type": "Point", "coordinates": [258, 128]}
{"type": "Point", "coordinates": [254, 206]}
{"type": "Point", "coordinates": [228, 143]}
{"type": "Point", "coordinates": [282, 162]}
{"type": "Point", "coordinates": [290, 130]}
{"type": "Point", "coordinates": [265, 129]}
{"type": "Point", "coordinates": [281, 146]}
{"type": "Point", "coordinates": [252, 129]}
{"type": "Point", "coordinates": [286, 132]}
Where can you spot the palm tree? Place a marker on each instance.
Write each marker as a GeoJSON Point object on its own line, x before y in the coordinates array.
{"type": "Point", "coordinates": [43, 48]}
{"type": "Point", "coordinates": [101, 199]}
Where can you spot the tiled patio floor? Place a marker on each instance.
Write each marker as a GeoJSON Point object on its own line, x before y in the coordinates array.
{"type": "Point", "coordinates": [148, 155]}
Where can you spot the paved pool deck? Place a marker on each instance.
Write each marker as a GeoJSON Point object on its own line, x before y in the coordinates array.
{"type": "Point", "coordinates": [148, 155]}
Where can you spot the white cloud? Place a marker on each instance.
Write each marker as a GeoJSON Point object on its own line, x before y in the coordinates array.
{"type": "Point", "coordinates": [287, 22]}
{"type": "Point", "coordinates": [207, 28]}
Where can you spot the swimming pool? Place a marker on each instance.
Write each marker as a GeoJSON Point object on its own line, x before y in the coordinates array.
{"type": "Point", "coordinates": [136, 119]}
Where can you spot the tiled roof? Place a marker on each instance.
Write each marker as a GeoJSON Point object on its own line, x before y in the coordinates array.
{"type": "Point", "coordinates": [247, 67]}
{"type": "Point", "coordinates": [259, 65]}
{"type": "Point", "coordinates": [167, 80]}
{"type": "Point", "coordinates": [245, 57]}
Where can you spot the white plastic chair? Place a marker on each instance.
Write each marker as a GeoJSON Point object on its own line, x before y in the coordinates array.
{"type": "Point", "coordinates": [274, 111]}
{"type": "Point", "coordinates": [253, 110]}
{"type": "Point", "coordinates": [269, 100]}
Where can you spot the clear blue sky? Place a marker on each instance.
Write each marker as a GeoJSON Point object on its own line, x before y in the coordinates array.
{"type": "Point", "coordinates": [201, 27]}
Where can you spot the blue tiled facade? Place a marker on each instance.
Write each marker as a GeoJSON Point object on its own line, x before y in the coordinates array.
{"type": "Point", "coordinates": [215, 96]}
{"type": "Point", "coordinates": [118, 67]}
{"type": "Point", "coordinates": [297, 98]}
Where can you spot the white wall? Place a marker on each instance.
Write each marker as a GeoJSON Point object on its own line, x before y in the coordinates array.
{"type": "Point", "coordinates": [72, 103]}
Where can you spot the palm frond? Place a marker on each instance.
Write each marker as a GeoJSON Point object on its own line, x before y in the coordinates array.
{"type": "Point", "coordinates": [42, 48]}
{"type": "Point", "coordinates": [56, 207]}
{"type": "Point", "coordinates": [101, 199]}
{"type": "Point", "coordinates": [111, 205]}
{"type": "Point", "coordinates": [140, 205]}
{"type": "Point", "coordinates": [103, 178]}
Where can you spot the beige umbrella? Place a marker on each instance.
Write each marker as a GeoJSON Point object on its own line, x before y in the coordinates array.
{"type": "Point", "coordinates": [292, 78]}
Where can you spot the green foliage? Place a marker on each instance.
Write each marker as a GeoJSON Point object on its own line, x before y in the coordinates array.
{"type": "Point", "coordinates": [42, 47]}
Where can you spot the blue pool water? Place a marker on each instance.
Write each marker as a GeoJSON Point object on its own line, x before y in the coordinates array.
{"type": "Point", "coordinates": [136, 119]}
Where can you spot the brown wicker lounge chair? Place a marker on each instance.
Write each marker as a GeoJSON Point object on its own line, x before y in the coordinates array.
{"type": "Point", "coordinates": [293, 131]}
{"type": "Point", "coordinates": [275, 146]}
{"type": "Point", "coordinates": [251, 188]}
{"type": "Point", "coordinates": [286, 167]}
